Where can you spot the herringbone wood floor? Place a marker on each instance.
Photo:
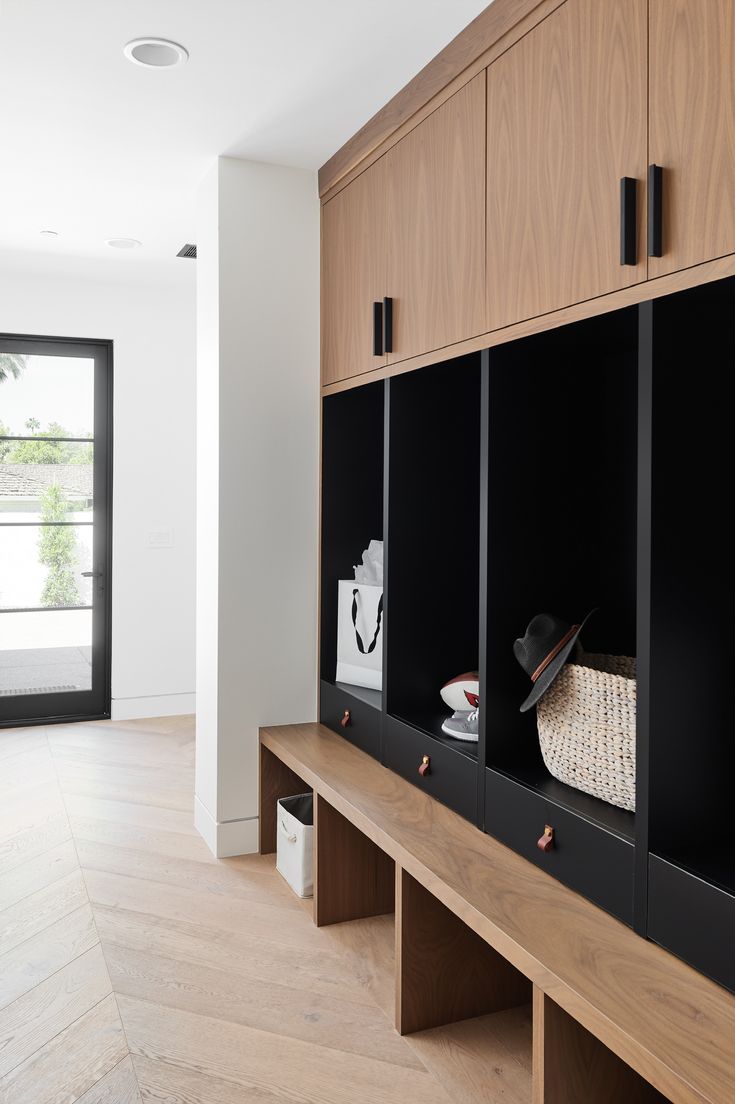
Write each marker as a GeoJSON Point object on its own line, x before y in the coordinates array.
{"type": "Point", "coordinates": [135, 967]}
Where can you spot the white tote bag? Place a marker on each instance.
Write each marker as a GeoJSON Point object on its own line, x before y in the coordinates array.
{"type": "Point", "coordinates": [295, 842]}
{"type": "Point", "coordinates": [359, 634]}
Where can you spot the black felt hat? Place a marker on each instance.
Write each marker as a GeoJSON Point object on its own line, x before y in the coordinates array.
{"type": "Point", "coordinates": [544, 650]}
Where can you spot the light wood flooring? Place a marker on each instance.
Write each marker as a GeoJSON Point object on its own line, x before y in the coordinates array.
{"type": "Point", "coordinates": [135, 967]}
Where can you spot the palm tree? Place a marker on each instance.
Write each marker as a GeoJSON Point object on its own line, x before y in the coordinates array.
{"type": "Point", "coordinates": [11, 364]}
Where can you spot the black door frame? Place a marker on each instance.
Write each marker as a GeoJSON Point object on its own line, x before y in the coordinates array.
{"type": "Point", "coordinates": [94, 704]}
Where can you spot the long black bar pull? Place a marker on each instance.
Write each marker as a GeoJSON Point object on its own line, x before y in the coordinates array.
{"type": "Point", "coordinates": [655, 211]}
{"type": "Point", "coordinates": [388, 324]}
{"type": "Point", "coordinates": [628, 220]}
{"type": "Point", "coordinates": [377, 329]}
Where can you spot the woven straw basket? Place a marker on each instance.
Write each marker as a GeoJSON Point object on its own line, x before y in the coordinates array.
{"type": "Point", "coordinates": [586, 727]}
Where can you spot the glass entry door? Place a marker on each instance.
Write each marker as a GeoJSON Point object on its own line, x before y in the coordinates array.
{"type": "Point", "coordinates": [55, 481]}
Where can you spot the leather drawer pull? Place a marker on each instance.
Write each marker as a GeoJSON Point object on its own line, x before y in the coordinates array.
{"type": "Point", "coordinates": [425, 767]}
{"type": "Point", "coordinates": [346, 719]}
{"type": "Point", "coordinates": [546, 843]}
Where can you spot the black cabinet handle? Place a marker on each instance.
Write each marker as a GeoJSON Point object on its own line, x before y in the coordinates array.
{"type": "Point", "coordinates": [655, 211]}
{"type": "Point", "coordinates": [388, 324]}
{"type": "Point", "coordinates": [377, 329]}
{"type": "Point", "coordinates": [628, 220]}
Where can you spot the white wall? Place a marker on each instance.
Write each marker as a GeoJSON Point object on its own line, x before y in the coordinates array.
{"type": "Point", "coordinates": [151, 319]}
{"type": "Point", "coordinates": [258, 410]}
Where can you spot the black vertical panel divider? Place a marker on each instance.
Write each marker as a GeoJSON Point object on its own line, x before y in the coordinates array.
{"type": "Point", "coordinates": [691, 872]}
{"type": "Point", "coordinates": [483, 565]}
{"type": "Point", "coordinates": [643, 611]}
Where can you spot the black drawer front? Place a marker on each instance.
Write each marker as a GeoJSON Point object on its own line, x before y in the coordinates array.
{"type": "Point", "coordinates": [585, 857]}
{"type": "Point", "coordinates": [693, 919]}
{"type": "Point", "coordinates": [452, 777]}
{"type": "Point", "coordinates": [363, 729]}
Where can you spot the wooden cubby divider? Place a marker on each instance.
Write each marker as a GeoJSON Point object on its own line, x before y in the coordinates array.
{"type": "Point", "coordinates": [445, 972]}
{"type": "Point", "coordinates": [571, 1066]}
{"type": "Point", "coordinates": [352, 877]}
{"type": "Point", "coordinates": [276, 781]}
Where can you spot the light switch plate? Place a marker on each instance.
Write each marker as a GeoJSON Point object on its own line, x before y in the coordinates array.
{"type": "Point", "coordinates": [159, 538]}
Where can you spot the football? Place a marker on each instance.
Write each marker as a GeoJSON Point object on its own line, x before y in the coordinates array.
{"type": "Point", "coordinates": [462, 692]}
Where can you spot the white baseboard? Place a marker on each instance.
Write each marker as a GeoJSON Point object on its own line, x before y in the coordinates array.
{"type": "Point", "coordinates": [156, 705]}
{"type": "Point", "coordinates": [230, 837]}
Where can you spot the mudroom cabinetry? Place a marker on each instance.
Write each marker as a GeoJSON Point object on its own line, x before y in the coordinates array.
{"type": "Point", "coordinates": [403, 259]}
{"type": "Point", "coordinates": [692, 129]}
{"type": "Point", "coordinates": [528, 413]}
{"type": "Point", "coordinates": [566, 111]}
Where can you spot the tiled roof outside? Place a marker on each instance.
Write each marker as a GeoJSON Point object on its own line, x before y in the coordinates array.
{"type": "Point", "coordinates": [31, 480]}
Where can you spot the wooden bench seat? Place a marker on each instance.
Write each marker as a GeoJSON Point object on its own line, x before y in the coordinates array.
{"type": "Point", "coordinates": [664, 1020]}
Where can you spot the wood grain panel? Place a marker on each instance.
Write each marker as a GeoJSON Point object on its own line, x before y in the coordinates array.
{"type": "Point", "coordinates": [38, 957]}
{"type": "Point", "coordinates": [669, 1023]}
{"type": "Point", "coordinates": [269, 1066]}
{"type": "Point", "coordinates": [685, 278]}
{"type": "Point", "coordinates": [570, 1066]}
{"type": "Point", "coordinates": [485, 1059]}
{"type": "Point", "coordinates": [352, 274]}
{"type": "Point", "coordinates": [487, 29]}
{"type": "Point", "coordinates": [444, 971]}
{"type": "Point", "coordinates": [34, 1019]}
{"type": "Point", "coordinates": [276, 781]}
{"type": "Point", "coordinates": [40, 910]}
{"type": "Point", "coordinates": [119, 1086]}
{"type": "Point", "coordinates": [37, 873]}
{"type": "Point", "coordinates": [75, 1060]}
{"type": "Point", "coordinates": [566, 120]}
{"type": "Point", "coordinates": [692, 127]}
{"type": "Point", "coordinates": [288, 1010]}
{"type": "Point", "coordinates": [436, 227]}
{"type": "Point", "coordinates": [352, 877]}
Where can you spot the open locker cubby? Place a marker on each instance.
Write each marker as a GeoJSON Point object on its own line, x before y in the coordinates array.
{"type": "Point", "coordinates": [352, 516]}
{"type": "Point", "coordinates": [691, 902]}
{"type": "Point", "coordinates": [432, 572]}
{"type": "Point", "coordinates": [562, 539]}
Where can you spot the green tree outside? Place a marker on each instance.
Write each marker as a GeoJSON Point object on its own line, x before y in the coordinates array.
{"type": "Point", "coordinates": [11, 365]}
{"type": "Point", "coordinates": [49, 452]}
{"type": "Point", "coordinates": [5, 446]}
{"type": "Point", "coordinates": [57, 550]}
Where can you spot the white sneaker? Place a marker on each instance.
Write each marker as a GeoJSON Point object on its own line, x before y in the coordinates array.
{"type": "Point", "coordinates": [463, 725]}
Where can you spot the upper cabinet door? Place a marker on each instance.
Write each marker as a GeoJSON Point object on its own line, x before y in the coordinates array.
{"type": "Point", "coordinates": [353, 274]}
{"type": "Point", "coordinates": [692, 128]}
{"type": "Point", "coordinates": [436, 256]}
{"type": "Point", "coordinates": [566, 121]}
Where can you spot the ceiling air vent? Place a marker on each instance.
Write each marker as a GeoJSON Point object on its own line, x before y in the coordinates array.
{"type": "Point", "coordinates": [188, 251]}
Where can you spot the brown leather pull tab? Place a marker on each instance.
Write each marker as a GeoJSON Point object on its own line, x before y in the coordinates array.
{"type": "Point", "coordinates": [546, 843]}
{"type": "Point", "coordinates": [346, 719]}
{"type": "Point", "coordinates": [425, 767]}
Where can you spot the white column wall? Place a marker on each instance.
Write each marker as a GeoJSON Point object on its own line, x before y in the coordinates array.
{"type": "Point", "coordinates": [257, 450]}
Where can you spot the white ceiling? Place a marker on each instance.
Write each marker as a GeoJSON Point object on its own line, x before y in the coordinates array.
{"type": "Point", "coordinates": [94, 147]}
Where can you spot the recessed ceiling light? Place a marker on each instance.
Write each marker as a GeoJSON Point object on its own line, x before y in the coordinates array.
{"type": "Point", "coordinates": [123, 243]}
{"type": "Point", "coordinates": [49, 233]}
{"type": "Point", "coordinates": [155, 53]}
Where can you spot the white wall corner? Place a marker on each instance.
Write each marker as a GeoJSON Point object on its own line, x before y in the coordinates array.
{"type": "Point", "coordinates": [156, 705]}
{"type": "Point", "coordinates": [235, 837]}
{"type": "Point", "coordinates": [258, 487]}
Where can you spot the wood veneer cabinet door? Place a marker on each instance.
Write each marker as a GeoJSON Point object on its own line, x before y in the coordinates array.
{"type": "Point", "coordinates": [353, 274]}
{"type": "Point", "coordinates": [566, 110]}
{"type": "Point", "coordinates": [436, 256]}
{"type": "Point", "coordinates": [692, 128]}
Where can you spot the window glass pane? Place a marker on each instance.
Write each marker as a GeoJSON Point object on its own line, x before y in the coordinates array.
{"type": "Point", "coordinates": [46, 394]}
{"type": "Point", "coordinates": [45, 481]}
{"type": "Point", "coordinates": [41, 565]}
{"type": "Point", "coordinates": [48, 652]}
